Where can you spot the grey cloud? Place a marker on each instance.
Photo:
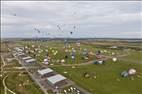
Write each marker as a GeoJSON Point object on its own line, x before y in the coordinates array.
{"type": "Point", "coordinates": [93, 17]}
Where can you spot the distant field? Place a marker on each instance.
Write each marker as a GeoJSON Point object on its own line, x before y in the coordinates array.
{"type": "Point", "coordinates": [58, 45]}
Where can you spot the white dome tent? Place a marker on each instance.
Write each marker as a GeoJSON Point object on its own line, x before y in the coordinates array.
{"type": "Point", "coordinates": [114, 59]}
{"type": "Point", "coordinates": [131, 71]}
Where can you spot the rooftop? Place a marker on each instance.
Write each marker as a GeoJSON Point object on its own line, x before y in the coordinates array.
{"type": "Point", "coordinates": [30, 60]}
{"type": "Point", "coordinates": [19, 54]}
{"type": "Point", "coordinates": [18, 49]}
{"type": "Point", "coordinates": [56, 78]}
{"type": "Point", "coordinates": [45, 71]}
{"type": "Point", "coordinates": [27, 57]}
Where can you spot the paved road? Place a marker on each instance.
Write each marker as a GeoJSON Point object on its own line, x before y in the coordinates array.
{"type": "Point", "coordinates": [14, 71]}
{"type": "Point", "coordinates": [83, 90]}
{"type": "Point", "coordinates": [31, 75]}
{"type": "Point", "coordinates": [3, 63]}
{"type": "Point", "coordinates": [20, 68]}
{"type": "Point", "coordinates": [87, 63]}
{"type": "Point", "coordinates": [41, 86]}
{"type": "Point", "coordinates": [3, 82]}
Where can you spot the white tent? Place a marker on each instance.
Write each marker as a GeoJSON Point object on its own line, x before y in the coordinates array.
{"type": "Point", "coordinates": [131, 71]}
{"type": "Point", "coordinates": [18, 49]}
{"type": "Point", "coordinates": [100, 62]}
{"type": "Point", "coordinates": [27, 57]}
{"type": "Point", "coordinates": [114, 59]}
{"type": "Point", "coordinates": [45, 60]}
{"type": "Point", "coordinates": [30, 60]}
{"type": "Point", "coordinates": [45, 71]}
{"type": "Point", "coordinates": [20, 54]}
{"type": "Point", "coordinates": [56, 78]}
{"type": "Point", "coordinates": [62, 61]}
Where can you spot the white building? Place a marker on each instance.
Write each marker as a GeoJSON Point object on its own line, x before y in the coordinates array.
{"type": "Point", "coordinates": [27, 57]}
{"type": "Point", "coordinates": [57, 80]}
{"type": "Point", "coordinates": [18, 49]}
{"type": "Point", "coordinates": [30, 60]}
{"type": "Point", "coordinates": [45, 72]}
{"type": "Point", "coordinates": [20, 54]}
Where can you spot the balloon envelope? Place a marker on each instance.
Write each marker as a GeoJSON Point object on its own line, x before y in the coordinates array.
{"type": "Point", "coordinates": [131, 71]}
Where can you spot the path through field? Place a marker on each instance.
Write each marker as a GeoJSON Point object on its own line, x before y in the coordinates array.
{"type": "Point", "coordinates": [89, 62]}
{"type": "Point", "coordinates": [3, 81]}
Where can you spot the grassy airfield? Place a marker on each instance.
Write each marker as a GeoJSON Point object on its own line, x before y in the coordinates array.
{"type": "Point", "coordinates": [108, 79]}
{"type": "Point", "coordinates": [104, 79]}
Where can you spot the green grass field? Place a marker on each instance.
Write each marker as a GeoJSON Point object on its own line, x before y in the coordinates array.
{"type": "Point", "coordinates": [108, 79]}
{"type": "Point", "coordinates": [58, 45]}
{"type": "Point", "coordinates": [1, 86]}
{"type": "Point", "coordinates": [22, 84]}
{"type": "Point", "coordinates": [135, 56]}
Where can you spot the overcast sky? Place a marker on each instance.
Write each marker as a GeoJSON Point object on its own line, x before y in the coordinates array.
{"type": "Point", "coordinates": [92, 19]}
